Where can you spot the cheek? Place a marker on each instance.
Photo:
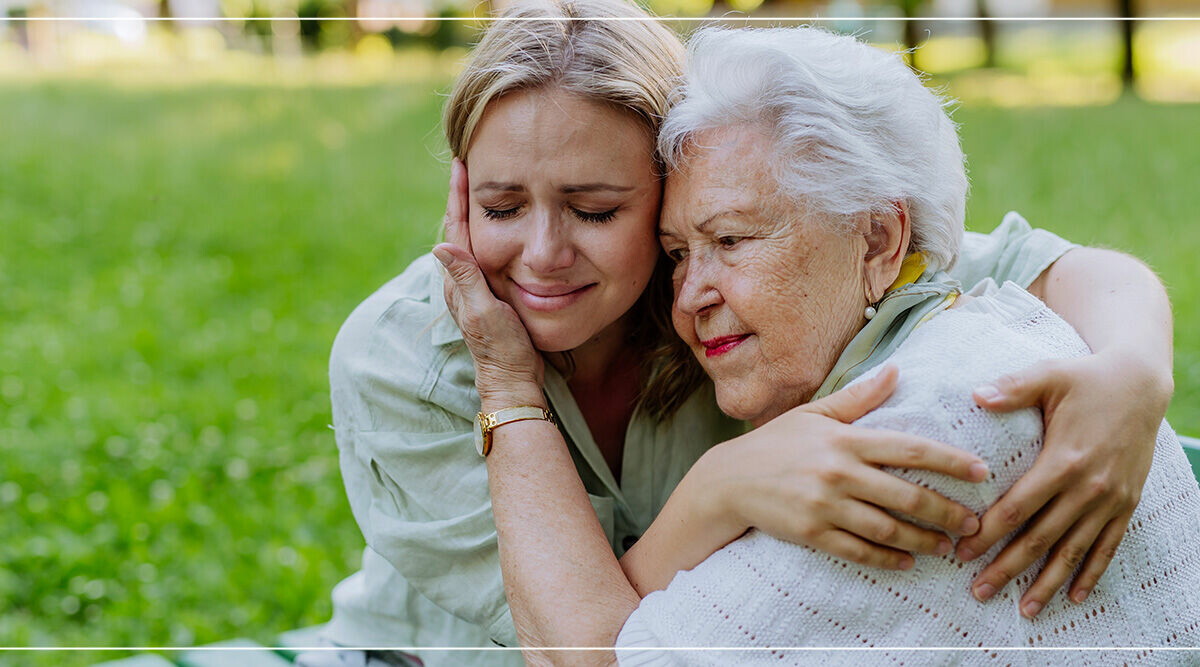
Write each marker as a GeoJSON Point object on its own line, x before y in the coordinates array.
{"type": "Point", "coordinates": [493, 247]}
{"type": "Point", "coordinates": [627, 253]}
{"type": "Point", "coordinates": [683, 326]}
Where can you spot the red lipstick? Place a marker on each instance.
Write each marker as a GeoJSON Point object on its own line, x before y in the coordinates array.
{"type": "Point", "coordinates": [715, 347]}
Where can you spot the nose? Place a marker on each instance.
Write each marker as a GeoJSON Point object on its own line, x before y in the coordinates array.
{"type": "Point", "coordinates": [696, 292]}
{"type": "Point", "coordinates": [549, 247]}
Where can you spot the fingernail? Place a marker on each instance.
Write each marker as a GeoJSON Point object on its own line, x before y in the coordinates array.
{"type": "Point", "coordinates": [1080, 595]}
{"type": "Point", "coordinates": [969, 525]}
{"type": "Point", "coordinates": [965, 553]}
{"type": "Point", "coordinates": [444, 257]}
{"type": "Point", "coordinates": [944, 547]}
{"type": "Point", "coordinates": [1031, 608]}
{"type": "Point", "coordinates": [978, 471]}
{"type": "Point", "coordinates": [906, 563]}
{"type": "Point", "coordinates": [987, 392]}
{"type": "Point", "coordinates": [983, 592]}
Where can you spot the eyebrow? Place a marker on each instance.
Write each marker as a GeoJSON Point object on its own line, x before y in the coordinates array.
{"type": "Point", "coordinates": [703, 226]}
{"type": "Point", "coordinates": [502, 187]}
{"type": "Point", "coordinates": [566, 189]}
{"type": "Point", "coordinates": [593, 187]}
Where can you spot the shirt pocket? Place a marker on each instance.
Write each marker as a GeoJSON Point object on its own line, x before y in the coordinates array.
{"type": "Point", "coordinates": [604, 507]}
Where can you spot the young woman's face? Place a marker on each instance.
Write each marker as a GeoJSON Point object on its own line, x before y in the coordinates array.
{"type": "Point", "coordinates": [563, 212]}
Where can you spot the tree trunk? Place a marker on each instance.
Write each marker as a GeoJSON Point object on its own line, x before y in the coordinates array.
{"type": "Point", "coordinates": [164, 12]}
{"type": "Point", "coordinates": [987, 30]}
{"type": "Point", "coordinates": [912, 36]}
{"type": "Point", "coordinates": [1127, 74]}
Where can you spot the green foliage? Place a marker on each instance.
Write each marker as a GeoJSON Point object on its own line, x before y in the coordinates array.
{"type": "Point", "coordinates": [174, 264]}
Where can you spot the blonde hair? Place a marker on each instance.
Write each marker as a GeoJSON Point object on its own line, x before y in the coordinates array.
{"type": "Point", "coordinates": [631, 65]}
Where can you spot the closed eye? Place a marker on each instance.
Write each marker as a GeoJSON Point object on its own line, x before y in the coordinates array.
{"type": "Point", "coordinates": [728, 241]}
{"type": "Point", "coordinates": [597, 217]}
{"type": "Point", "coordinates": [500, 213]}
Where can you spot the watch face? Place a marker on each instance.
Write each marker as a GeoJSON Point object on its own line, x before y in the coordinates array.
{"type": "Point", "coordinates": [479, 435]}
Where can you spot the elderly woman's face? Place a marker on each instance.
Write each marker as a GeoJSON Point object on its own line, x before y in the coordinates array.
{"type": "Point", "coordinates": [766, 296]}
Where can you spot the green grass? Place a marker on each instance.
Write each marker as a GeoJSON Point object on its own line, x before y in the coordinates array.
{"type": "Point", "coordinates": [174, 264]}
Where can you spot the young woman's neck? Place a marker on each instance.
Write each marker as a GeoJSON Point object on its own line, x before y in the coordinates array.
{"type": "Point", "coordinates": [603, 379]}
{"type": "Point", "coordinates": [595, 360]}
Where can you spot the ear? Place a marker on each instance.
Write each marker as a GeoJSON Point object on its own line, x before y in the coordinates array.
{"type": "Point", "coordinates": [887, 245]}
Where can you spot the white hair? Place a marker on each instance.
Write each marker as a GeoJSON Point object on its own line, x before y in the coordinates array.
{"type": "Point", "coordinates": [853, 127]}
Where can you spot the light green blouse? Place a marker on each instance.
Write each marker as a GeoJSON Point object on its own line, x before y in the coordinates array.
{"type": "Point", "coordinates": [404, 401]}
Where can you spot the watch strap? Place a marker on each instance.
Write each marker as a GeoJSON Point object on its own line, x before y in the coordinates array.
{"type": "Point", "coordinates": [492, 420]}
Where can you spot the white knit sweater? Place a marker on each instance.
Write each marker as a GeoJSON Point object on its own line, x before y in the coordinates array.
{"type": "Point", "coordinates": [761, 592]}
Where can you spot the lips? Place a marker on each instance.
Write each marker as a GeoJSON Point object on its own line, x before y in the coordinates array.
{"type": "Point", "coordinates": [548, 298]}
{"type": "Point", "coordinates": [715, 347]}
{"type": "Point", "coordinates": [550, 290]}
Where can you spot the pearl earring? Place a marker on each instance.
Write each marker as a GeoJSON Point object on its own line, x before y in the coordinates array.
{"type": "Point", "coordinates": [870, 312]}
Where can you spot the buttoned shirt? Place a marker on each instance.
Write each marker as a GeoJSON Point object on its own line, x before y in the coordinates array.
{"type": "Point", "coordinates": [402, 385]}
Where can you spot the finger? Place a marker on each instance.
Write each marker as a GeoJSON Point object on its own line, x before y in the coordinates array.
{"type": "Point", "coordinates": [456, 226]}
{"type": "Point", "coordinates": [450, 292]}
{"type": "Point", "coordinates": [466, 290]}
{"type": "Point", "coordinates": [853, 548]}
{"type": "Point", "coordinates": [1017, 390]}
{"type": "Point", "coordinates": [1024, 499]}
{"type": "Point", "coordinates": [876, 526]}
{"type": "Point", "coordinates": [1068, 554]}
{"type": "Point", "coordinates": [850, 403]}
{"type": "Point", "coordinates": [890, 492]}
{"type": "Point", "coordinates": [460, 265]}
{"type": "Point", "coordinates": [1034, 542]}
{"type": "Point", "coordinates": [1103, 551]}
{"type": "Point", "coordinates": [903, 450]}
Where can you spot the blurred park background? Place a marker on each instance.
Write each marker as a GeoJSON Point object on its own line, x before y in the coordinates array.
{"type": "Point", "coordinates": [190, 208]}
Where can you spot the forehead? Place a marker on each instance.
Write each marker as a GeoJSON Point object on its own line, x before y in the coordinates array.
{"type": "Point", "coordinates": [721, 169]}
{"type": "Point", "coordinates": [557, 130]}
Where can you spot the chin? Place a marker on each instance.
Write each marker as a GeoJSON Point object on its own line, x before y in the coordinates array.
{"type": "Point", "coordinates": [741, 404]}
{"type": "Point", "coordinates": [735, 404]}
{"type": "Point", "coordinates": [552, 339]}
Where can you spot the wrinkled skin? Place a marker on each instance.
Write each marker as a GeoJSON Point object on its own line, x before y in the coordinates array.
{"type": "Point", "coordinates": [788, 280]}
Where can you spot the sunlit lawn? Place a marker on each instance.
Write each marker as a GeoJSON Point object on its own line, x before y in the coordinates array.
{"type": "Point", "coordinates": [174, 264]}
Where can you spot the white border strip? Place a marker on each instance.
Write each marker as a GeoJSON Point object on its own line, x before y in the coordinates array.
{"type": "Point", "coordinates": [688, 19]}
{"type": "Point", "coordinates": [806, 649]}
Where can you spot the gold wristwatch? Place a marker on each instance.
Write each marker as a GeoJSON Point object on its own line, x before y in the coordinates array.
{"type": "Point", "coordinates": [486, 423]}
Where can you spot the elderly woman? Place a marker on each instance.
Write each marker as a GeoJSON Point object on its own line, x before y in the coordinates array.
{"type": "Point", "coordinates": [816, 198]}
{"type": "Point", "coordinates": [799, 273]}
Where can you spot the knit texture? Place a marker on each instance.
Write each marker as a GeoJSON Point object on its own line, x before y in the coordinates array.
{"type": "Point", "coordinates": [762, 592]}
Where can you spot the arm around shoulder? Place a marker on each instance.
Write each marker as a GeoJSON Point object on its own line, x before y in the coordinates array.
{"type": "Point", "coordinates": [1119, 307]}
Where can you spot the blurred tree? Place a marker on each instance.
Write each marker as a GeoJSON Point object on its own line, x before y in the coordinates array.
{"type": "Point", "coordinates": [328, 34]}
{"type": "Point", "coordinates": [912, 36]}
{"type": "Point", "coordinates": [987, 31]}
{"type": "Point", "coordinates": [1127, 74]}
{"type": "Point", "coordinates": [164, 12]}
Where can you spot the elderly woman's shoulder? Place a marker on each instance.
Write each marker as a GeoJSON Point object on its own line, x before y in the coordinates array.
{"type": "Point", "coordinates": [996, 331]}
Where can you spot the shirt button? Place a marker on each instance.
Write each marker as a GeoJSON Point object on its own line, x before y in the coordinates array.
{"type": "Point", "coordinates": [629, 541]}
